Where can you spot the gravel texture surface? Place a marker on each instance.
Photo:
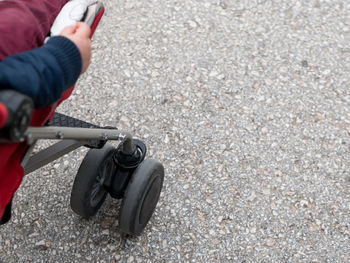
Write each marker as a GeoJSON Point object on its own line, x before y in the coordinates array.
{"type": "Point", "coordinates": [247, 105]}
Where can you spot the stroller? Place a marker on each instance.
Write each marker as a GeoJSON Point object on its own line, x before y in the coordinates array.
{"type": "Point", "coordinates": [123, 172]}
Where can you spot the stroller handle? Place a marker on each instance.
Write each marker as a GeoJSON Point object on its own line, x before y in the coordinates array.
{"type": "Point", "coordinates": [15, 114]}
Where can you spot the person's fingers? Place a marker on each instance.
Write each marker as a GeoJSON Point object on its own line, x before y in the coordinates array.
{"type": "Point", "coordinates": [79, 34]}
{"type": "Point", "coordinates": [68, 30]}
{"type": "Point", "coordinates": [83, 29]}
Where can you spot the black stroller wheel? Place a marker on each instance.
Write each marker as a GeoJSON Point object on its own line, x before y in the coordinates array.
{"type": "Point", "coordinates": [141, 197]}
{"type": "Point", "coordinates": [88, 192]}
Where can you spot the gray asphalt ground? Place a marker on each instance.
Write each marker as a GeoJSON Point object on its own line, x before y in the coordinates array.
{"type": "Point", "coordinates": [247, 105]}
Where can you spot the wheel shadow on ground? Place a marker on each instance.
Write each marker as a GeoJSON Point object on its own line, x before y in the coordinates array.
{"type": "Point", "coordinates": [104, 226]}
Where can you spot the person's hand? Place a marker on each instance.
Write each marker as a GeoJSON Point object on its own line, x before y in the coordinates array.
{"type": "Point", "coordinates": [79, 34]}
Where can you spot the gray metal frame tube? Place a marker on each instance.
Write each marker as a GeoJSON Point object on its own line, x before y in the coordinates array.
{"type": "Point", "coordinates": [36, 133]}
{"type": "Point", "coordinates": [50, 154]}
{"type": "Point", "coordinates": [73, 138]}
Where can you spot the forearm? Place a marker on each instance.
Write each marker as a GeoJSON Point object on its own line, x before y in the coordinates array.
{"type": "Point", "coordinates": [44, 73]}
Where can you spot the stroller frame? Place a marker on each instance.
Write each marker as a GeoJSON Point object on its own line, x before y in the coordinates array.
{"type": "Point", "coordinates": [72, 138]}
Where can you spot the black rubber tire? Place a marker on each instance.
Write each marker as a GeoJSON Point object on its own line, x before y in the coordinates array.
{"type": "Point", "coordinates": [141, 197]}
{"type": "Point", "coordinates": [88, 192]}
